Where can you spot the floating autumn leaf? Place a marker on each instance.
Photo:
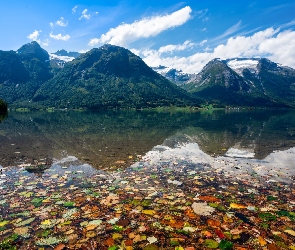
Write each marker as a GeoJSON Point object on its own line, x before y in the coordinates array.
{"type": "Point", "coordinates": [3, 223]}
{"type": "Point", "coordinates": [202, 208]}
{"type": "Point", "coordinates": [190, 213]}
{"type": "Point", "coordinates": [117, 236]}
{"type": "Point", "coordinates": [237, 206]}
{"type": "Point", "coordinates": [211, 243]}
{"type": "Point", "coordinates": [109, 242]}
{"type": "Point", "coordinates": [151, 247]}
{"type": "Point", "coordinates": [219, 233]}
{"type": "Point", "coordinates": [149, 212]}
{"type": "Point", "coordinates": [208, 198]}
{"type": "Point", "coordinates": [110, 200]}
{"type": "Point", "coordinates": [23, 231]}
{"type": "Point", "coordinates": [213, 223]}
{"type": "Point", "coordinates": [267, 216]}
{"type": "Point", "coordinates": [261, 241]}
{"type": "Point", "coordinates": [152, 239]}
{"type": "Point", "coordinates": [69, 204]}
{"type": "Point", "coordinates": [226, 245]}
{"type": "Point", "coordinates": [290, 231]}
{"type": "Point", "coordinates": [48, 223]}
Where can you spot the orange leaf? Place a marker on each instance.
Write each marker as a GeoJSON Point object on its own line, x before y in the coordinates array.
{"type": "Point", "coordinates": [262, 242]}
{"type": "Point", "coordinates": [190, 213]}
{"type": "Point", "coordinates": [109, 242]}
{"type": "Point", "coordinates": [237, 206]}
{"type": "Point", "coordinates": [209, 198]}
{"type": "Point", "coordinates": [213, 223]}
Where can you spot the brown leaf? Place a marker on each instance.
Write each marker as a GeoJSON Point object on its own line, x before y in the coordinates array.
{"type": "Point", "coordinates": [109, 242]}
{"type": "Point", "coordinates": [128, 242]}
{"type": "Point", "coordinates": [209, 198]}
{"type": "Point", "coordinates": [123, 222]}
{"type": "Point", "coordinates": [272, 246]}
{"type": "Point", "coordinates": [60, 247]}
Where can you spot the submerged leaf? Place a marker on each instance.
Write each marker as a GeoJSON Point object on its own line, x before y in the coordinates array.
{"type": "Point", "coordinates": [225, 245]}
{"type": "Point", "coordinates": [211, 243]}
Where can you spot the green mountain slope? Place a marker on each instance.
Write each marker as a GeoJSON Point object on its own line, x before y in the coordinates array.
{"type": "Point", "coordinates": [110, 77]}
{"type": "Point", "coordinates": [23, 72]}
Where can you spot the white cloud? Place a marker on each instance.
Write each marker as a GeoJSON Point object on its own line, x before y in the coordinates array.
{"type": "Point", "coordinates": [51, 24]}
{"type": "Point", "coordinates": [62, 22]}
{"type": "Point", "coordinates": [202, 13]}
{"type": "Point", "coordinates": [93, 42]}
{"type": "Point", "coordinates": [60, 37]}
{"type": "Point", "coordinates": [135, 51]}
{"type": "Point", "coordinates": [82, 51]}
{"type": "Point", "coordinates": [74, 9]}
{"type": "Point", "coordinates": [271, 43]}
{"type": "Point", "coordinates": [125, 34]}
{"type": "Point", "coordinates": [34, 36]}
{"type": "Point", "coordinates": [203, 42]}
{"type": "Point", "coordinates": [179, 47]}
{"type": "Point", "coordinates": [233, 29]}
{"type": "Point", "coordinates": [84, 15]}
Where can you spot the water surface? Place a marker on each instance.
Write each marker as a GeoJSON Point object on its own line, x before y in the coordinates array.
{"type": "Point", "coordinates": [108, 139]}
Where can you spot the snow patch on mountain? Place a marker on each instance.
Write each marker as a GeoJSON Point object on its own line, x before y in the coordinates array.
{"type": "Point", "coordinates": [239, 65]}
{"type": "Point", "coordinates": [61, 58]}
{"type": "Point", "coordinates": [177, 76]}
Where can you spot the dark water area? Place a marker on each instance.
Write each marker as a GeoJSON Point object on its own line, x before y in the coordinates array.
{"type": "Point", "coordinates": [108, 139]}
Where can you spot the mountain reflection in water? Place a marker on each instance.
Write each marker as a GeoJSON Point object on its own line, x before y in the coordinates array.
{"type": "Point", "coordinates": [105, 139]}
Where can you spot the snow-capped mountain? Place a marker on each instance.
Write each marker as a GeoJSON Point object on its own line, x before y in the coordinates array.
{"type": "Point", "coordinates": [177, 76]}
{"type": "Point", "coordinates": [60, 57]}
{"type": "Point", "coordinates": [240, 64]}
{"type": "Point", "coordinates": [245, 82]}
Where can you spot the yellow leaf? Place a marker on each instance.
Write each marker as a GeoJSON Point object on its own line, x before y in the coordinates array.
{"type": "Point", "coordinates": [262, 242]}
{"type": "Point", "coordinates": [291, 232]}
{"type": "Point", "coordinates": [46, 222]}
{"type": "Point", "coordinates": [237, 206]}
{"type": "Point", "coordinates": [3, 223]}
{"type": "Point", "coordinates": [149, 212]}
{"type": "Point", "coordinates": [46, 201]}
{"type": "Point", "coordinates": [292, 247]}
{"type": "Point", "coordinates": [117, 236]}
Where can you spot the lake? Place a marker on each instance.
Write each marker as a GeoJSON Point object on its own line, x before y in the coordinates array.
{"type": "Point", "coordinates": [148, 180]}
{"type": "Point", "coordinates": [107, 139]}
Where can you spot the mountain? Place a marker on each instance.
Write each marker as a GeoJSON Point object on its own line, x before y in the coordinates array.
{"type": "Point", "coordinates": [174, 75]}
{"type": "Point", "coordinates": [110, 77]}
{"type": "Point", "coordinates": [244, 82]}
{"type": "Point", "coordinates": [114, 77]}
{"type": "Point", "coordinates": [60, 57]}
{"type": "Point", "coordinates": [23, 72]}
{"type": "Point", "coordinates": [271, 79]}
{"type": "Point", "coordinates": [63, 52]}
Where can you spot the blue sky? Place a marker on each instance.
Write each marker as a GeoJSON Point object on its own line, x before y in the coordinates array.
{"type": "Point", "coordinates": [184, 35]}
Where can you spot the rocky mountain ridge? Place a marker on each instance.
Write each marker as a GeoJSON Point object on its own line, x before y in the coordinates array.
{"type": "Point", "coordinates": [114, 77]}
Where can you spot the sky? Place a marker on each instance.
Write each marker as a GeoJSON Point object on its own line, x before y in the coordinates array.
{"type": "Point", "coordinates": [180, 34]}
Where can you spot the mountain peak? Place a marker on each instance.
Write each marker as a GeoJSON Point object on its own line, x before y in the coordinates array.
{"type": "Point", "coordinates": [33, 50]}
{"type": "Point", "coordinates": [63, 52]}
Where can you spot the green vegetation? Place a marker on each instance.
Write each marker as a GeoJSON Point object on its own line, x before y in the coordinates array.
{"type": "Point", "coordinates": [110, 77]}
{"type": "Point", "coordinates": [23, 72]}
